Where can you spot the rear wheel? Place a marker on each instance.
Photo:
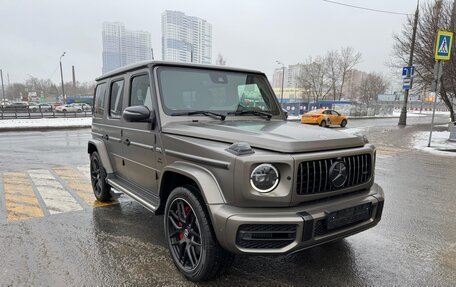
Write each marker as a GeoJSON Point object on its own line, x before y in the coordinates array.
{"type": "Point", "coordinates": [343, 123]}
{"type": "Point", "coordinates": [190, 237]}
{"type": "Point", "coordinates": [323, 123]}
{"type": "Point", "coordinates": [101, 188]}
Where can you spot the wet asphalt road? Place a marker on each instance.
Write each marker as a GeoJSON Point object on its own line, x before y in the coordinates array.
{"type": "Point", "coordinates": [123, 244]}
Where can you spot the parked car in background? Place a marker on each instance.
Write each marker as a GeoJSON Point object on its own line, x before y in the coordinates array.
{"type": "Point", "coordinates": [17, 106]}
{"type": "Point", "coordinates": [68, 108]}
{"type": "Point", "coordinates": [324, 118]}
{"type": "Point", "coordinates": [40, 107]}
{"type": "Point", "coordinates": [56, 104]}
{"type": "Point", "coordinates": [82, 106]}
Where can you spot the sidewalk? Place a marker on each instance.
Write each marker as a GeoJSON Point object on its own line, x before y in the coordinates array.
{"type": "Point", "coordinates": [440, 144]}
{"type": "Point", "coordinates": [45, 123]}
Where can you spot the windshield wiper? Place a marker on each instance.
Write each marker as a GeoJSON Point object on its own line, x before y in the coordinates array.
{"type": "Point", "coordinates": [252, 112]}
{"type": "Point", "coordinates": [206, 113]}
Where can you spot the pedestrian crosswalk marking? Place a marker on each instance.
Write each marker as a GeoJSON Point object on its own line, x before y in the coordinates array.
{"type": "Point", "coordinates": [85, 170]}
{"type": "Point", "coordinates": [56, 198]}
{"type": "Point", "coordinates": [80, 184]}
{"type": "Point", "coordinates": [41, 192]}
{"type": "Point", "coordinates": [20, 200]}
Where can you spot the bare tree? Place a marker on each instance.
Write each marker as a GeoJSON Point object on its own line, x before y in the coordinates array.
{"type": "Point", "coordinates": [315, 78]}
{"type": "Point", "coordinates": [334, 65]}
{"type": "Point", "coordinates": [371, 86]}
{"type": "Point", "coordinates": [349, 59]}
{"type": "Point", "coordinates": [434, 15]}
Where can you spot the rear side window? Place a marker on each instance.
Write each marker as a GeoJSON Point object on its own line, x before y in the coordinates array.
{"type": "Point", "coordinates": [115, 99]}
{"type": "Point", "coordinates": [140, 92]}
{"type": "Point", "coordinates": [98, 105]}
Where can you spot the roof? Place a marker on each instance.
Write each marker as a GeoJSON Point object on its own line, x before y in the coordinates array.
{"type": "Point", "coordinates": [150, 64]}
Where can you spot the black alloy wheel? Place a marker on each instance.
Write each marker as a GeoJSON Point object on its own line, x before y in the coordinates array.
{"type": "Point", "coordinates": [191, 238]}
{"type": "Point", "coordinates": [101, 189]}
{"type": "Point", "coordinates": [184, 234]}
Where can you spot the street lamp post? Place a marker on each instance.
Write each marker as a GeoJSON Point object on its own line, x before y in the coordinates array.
{"type": "Point", "coordinates": [283, 79]}
{"type": "Point", "coordinates": [403, 116]}
{"type": "Point", "coordinates": [3, 87]}
{"type": "Point", "coordinates": [61, 78]}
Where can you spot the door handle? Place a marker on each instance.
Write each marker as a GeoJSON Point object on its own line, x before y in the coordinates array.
{"type": "Point", "coordinates": [105, 137]}
{"type": "Point", "coordinates": [126, 142]}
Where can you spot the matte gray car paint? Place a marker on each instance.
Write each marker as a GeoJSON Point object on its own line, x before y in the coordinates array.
{"type": "Point", "coordinates": [138, 155]}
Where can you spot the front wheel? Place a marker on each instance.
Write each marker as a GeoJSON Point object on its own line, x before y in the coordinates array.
{"type": "Point", "coordinates": [343, 123]}
{"type": "Point", "coordinates": [190, 237]}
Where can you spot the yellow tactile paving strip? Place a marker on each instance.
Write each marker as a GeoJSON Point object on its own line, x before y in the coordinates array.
{"type": "Point", "coordinates": [80, 184]}
{"type": "Point", "coordinates": [20, 200]}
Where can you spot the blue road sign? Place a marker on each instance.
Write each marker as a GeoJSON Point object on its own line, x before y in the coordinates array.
{"type": "Point", "coordinates": [408, 72]}
{"type": "Point", "coordinates": [407, 84]}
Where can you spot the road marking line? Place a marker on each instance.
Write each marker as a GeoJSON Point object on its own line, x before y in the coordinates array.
{"type": "Point", "coordinates": [80, 184]}
{"type": "Point", "coordinates": [56, 198]}
{"type": "Point", "coordinates": [18, 190]}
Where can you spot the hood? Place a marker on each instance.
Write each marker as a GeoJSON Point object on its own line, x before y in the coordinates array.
{"type": "Point", "coordinates": [282, 136]}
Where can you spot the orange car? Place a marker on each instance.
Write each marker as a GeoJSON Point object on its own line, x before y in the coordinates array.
{"type": "Point", "coordinates": [324, 118]}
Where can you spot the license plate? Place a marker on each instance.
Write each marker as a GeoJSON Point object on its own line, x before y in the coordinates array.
{"type": "Point", "coordinates": [348, 216]}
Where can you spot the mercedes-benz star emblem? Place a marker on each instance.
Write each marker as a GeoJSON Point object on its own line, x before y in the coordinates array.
{"type": "Point", "coordinates": [338, 174]}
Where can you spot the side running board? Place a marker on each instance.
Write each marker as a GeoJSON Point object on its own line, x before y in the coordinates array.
{"type": "Point", "coordinates": [120, 188]}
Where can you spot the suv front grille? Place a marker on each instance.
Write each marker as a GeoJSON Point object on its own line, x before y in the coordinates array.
{"type": "Point", "coordinates": [265, 236]}
{"type": "Point", "coordinates": [313, 176]}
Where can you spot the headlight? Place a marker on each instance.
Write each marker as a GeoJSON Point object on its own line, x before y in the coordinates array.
{"type": "Point", "coordinates": [264, 178]}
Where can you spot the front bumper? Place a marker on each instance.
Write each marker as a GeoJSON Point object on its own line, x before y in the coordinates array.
{"type": "Point", "coordinates": [304, 225]}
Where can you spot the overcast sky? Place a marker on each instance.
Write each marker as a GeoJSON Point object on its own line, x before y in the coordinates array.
{"type": "Point", "coordinates": [248, 33]}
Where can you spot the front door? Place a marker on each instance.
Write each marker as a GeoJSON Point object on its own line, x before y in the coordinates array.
{"type": "Point", "coordinates": [139, 138]}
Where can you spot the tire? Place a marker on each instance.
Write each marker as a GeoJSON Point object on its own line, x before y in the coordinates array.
{"type": "Point", "coordinates": [343, 123]}
{"type": "Point", "coordinates": [323, 123]}
{"type": "Point", "coordinates": [195, 250]}
{"type": "Point", "coordinates": [101, 189]}
{"type": "Point", "coordinates": [79, 110]}
{"type": "Point", "coordinates": [64, 110]}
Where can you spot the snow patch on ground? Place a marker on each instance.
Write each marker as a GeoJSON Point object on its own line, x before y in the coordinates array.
{"type": "Point", "coordinates": [354, 131]}
{"type": "Point", "coordinates": [19, 124]}
{"type": "Point", "coordinates": [440, 145]}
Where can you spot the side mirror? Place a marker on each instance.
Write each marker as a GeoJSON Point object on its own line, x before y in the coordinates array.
{"type": "Point", "coordinates": [137, 114]}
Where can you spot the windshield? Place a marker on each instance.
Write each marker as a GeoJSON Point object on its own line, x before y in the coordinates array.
{"type": "Point", "coordinates": [187, 90]}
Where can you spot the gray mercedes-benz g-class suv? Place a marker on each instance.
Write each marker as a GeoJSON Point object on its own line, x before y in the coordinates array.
{"type": "Point", "coordinates": [211, 149]}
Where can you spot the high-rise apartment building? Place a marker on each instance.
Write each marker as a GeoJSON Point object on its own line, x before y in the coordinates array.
{"type": "Point", "coordinates": [186, 38]}
{"type": "Point", "coordinates": [123, 47]}
{"type": "Point", "coordinates": [291, 77]}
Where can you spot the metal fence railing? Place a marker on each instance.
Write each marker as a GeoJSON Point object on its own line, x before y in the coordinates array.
{"type": "Point", "coordinates": [19, 113]}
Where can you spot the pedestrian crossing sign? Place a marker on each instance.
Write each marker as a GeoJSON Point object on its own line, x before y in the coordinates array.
{"type": "Point", "coordinates": [443, 45]}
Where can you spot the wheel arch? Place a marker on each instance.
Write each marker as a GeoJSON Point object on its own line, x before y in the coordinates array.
{"type": "Point", "coordinates": [182, 173]}
{"type": "Point", "coordinates": [99, 146]}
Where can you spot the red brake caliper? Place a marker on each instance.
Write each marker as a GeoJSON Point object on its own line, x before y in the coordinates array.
{"type": "Point", "coordinates": [187, 210]}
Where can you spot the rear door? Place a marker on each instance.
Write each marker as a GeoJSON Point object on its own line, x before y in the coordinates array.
{"type": "Point", "coordinates": [112, 128]}
{"type": "Point", "coordinates": [337, 118]}
{"type": "Point", "coordinates": [140, 138]}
